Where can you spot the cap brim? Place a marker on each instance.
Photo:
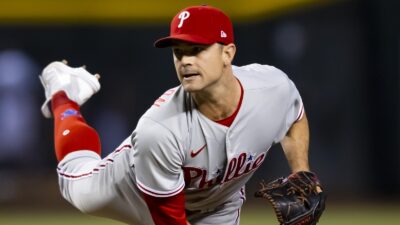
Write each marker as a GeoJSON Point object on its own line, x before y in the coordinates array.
{"type": "Point", "coordinates": [174, 40]}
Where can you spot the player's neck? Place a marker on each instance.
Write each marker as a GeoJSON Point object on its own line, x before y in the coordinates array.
{"type": "Point", "coordinates": [221, 101]}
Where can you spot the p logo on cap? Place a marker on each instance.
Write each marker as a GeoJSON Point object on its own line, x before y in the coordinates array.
{"type": "Point", "coordinates": [204, 25]}
{"type": "Point", "coordinates": [183, 16]}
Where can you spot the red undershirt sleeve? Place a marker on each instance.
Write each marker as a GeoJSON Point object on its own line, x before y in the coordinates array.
{"type": "Point", "coordinates": [168, 210]}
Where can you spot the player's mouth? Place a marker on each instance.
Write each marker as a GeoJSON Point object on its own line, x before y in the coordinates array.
{"type": "Point", "coordinates": [190, 75]}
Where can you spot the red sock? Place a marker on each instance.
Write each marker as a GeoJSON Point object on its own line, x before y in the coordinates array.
{"type": "Point", "coordinates": [71, 132]}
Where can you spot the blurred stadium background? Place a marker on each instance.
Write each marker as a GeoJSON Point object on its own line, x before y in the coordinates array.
{"type": "Point", "coordinates": [344, 56]}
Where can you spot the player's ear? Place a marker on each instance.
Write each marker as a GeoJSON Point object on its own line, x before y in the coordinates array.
{"type": "Point", "coordinates": [228, 53]}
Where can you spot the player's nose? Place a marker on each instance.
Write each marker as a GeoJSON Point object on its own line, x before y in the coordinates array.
{"type": "Point", "coordinates": [187, 60]}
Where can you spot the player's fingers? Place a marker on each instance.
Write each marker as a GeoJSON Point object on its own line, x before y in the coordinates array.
{"type": "Point", "coordinates": [97, 76]}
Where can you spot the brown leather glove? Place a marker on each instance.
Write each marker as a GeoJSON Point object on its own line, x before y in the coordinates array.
{"type": "Point", "coordinates": [297, 199]}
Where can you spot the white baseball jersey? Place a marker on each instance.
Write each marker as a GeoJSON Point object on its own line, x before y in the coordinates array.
{"type": "Point", "coordinates": [174, 147]}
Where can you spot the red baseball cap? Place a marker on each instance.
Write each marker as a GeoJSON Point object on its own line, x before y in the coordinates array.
{"type": "Point", "coordinates": [199, 25]}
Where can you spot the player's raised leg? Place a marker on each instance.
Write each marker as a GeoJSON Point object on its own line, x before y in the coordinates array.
{"type": "Point", "coordinates": [87, 181]}
{"type": "Point", "coordinates": [67, 88]}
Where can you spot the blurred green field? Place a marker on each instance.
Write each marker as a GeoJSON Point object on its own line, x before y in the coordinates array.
{"type": "Point", "coordinates": [334, 215]}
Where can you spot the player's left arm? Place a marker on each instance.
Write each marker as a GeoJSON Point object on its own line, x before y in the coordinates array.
{"type": "Point", "coordinates": [295, 145]}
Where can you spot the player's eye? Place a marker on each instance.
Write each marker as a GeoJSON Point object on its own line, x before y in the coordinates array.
{"type": "Point", "coordinates": [188, 51]}
{"type": "Point", "coordinates": [197, 49]}
{"type": "Point", "coordinates": [178, 52]}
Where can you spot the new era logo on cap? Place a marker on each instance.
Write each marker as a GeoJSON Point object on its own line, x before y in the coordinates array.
{"type": "Point", "coordinates": [223, 34]}
{"type": "Point", "coordinates": [199, 25]}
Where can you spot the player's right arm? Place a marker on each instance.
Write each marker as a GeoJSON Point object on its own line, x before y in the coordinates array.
{"type": "Point", "coordinates": [158, 164]}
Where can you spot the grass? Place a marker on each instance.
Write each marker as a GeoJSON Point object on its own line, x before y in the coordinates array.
{"type": "Point", "coordinates": [260, 215]}
{"type": "Point", "coordinates": [334, 215]}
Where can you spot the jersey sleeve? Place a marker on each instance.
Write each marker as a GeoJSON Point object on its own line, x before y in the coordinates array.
{"type": "Point", "coordinates": [293, 106]}
{"type": "Point", "coordinates": [157, 159]}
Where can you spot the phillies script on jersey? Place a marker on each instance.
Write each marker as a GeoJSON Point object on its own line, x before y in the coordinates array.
{"type": "Point", "coordinates": [237, 167]}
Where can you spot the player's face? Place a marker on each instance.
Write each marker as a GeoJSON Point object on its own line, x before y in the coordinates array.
{"type": "Point", "coordinates": [198, 66]}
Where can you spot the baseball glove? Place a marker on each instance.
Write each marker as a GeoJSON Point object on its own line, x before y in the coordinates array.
{"type": "Point", "coordinates": [297, 199]}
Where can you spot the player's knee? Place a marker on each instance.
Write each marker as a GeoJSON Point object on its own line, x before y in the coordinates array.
{"type": "Point", "coordinates": [89, 202]}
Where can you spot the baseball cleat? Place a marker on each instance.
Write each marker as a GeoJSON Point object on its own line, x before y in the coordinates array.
{"type": "Point", "coordinates": [77, 83]}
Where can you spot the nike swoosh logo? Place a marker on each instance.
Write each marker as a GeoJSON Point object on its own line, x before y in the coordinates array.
{"type": "Point", "coordinates": [195, 153]}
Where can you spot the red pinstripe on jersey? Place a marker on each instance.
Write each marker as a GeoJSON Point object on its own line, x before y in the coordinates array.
{"type": "Point", "coordinates": [99, 167]}
{"type": "Point", "coordinates": [301, 113]}
{"type": "Point", "coordinates": [158, 194]}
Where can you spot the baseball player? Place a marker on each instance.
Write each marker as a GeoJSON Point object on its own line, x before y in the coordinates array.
{"type": "Point", "coordinates": [193, 151]}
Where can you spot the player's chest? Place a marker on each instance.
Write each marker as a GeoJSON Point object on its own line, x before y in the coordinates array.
{"type": "Point", "coordinates": [217, 155]}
